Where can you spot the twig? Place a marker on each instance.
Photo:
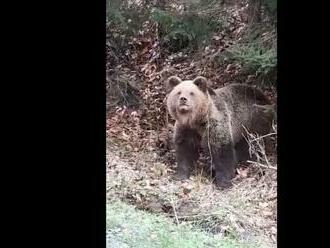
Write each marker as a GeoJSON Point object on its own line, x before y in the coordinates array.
{"type": "Point", "coordinates": [208, 142]}
{"type": "Point", "coordinates": [262, 165]}
{"type": "Point", "coordinates": [194, 216]}
{"type": "Point", "coordinates": [258, 138]}
{"type": "Point", "coordinates": [175, 214]}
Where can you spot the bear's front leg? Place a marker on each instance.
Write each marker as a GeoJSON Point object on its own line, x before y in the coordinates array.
{"type": "Point", "coordinates": [186, 148]}
{"type": "Point", "coordinates": [224, 160]}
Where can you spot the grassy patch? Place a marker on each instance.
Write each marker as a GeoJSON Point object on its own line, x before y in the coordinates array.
{"type": "Point", "coordinates": [128, 227]}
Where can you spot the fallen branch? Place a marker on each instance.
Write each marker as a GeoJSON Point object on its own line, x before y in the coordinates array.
{"type": "Point", "coordinates": [270, 134]}
{"type": "Point", "coordinates": [193, 216]}
{"type": "Point", "coordinates": [262, 165]}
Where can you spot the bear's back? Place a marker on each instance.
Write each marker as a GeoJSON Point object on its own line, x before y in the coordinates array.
{"type": "Point", "coordinates": [238, 101]}
{"type": "Point", "coordinates": [243, 93]}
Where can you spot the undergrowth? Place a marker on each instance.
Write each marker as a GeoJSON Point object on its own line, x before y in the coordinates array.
{"type": "Point", "coordinates": [183, 31]}
{"type": "Point", "coordinates": [128, 227]}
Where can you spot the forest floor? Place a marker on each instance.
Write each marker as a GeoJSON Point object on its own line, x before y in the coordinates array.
{"type": "Point", "coordinates": [245, 212]}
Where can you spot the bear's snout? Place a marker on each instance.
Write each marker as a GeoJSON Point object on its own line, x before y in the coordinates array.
{"type": "Point", "coordinates": [183, 100]}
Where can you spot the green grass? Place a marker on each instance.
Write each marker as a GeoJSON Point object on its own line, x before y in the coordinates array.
{"type": "Point", "coordinates": [129, 227]}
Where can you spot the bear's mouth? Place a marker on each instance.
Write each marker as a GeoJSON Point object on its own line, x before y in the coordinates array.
{"type": "Point", "coordinates": [183, 108]}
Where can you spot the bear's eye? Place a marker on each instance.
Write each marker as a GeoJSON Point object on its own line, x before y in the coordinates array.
{"type": "Point", "coordinates": [179, 93]}
{"type": "Point", "coordinates": [192, 93]}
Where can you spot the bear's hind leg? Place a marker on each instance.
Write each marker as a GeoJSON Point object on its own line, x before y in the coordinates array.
{"type": "Point", "coordinates": [225, 162]}
{"type": "Point", "coordinates": [242, 151]}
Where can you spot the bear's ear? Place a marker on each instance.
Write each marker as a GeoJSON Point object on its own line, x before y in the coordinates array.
{"type": "Point", "coordinates": [211, 92]}
{"type": "Point", "coordinates": [172, 82]}
{"type": "Point", "coordinates": [201, 82]}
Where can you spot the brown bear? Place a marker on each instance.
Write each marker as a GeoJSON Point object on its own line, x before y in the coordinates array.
{"type": "Point", "coordinates": [215, 120]}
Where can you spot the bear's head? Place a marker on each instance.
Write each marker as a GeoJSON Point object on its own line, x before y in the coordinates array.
{"type": "Point", "coordinates": [188, 101]}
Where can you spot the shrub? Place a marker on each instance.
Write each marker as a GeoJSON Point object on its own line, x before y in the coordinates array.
{"type": "Point", "coordinates": [182, 31]}
{"type": "Point", "coordinates": [254, 57]}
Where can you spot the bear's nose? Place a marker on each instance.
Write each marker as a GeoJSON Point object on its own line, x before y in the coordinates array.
{"type": "Point", "coordinates": [183, 99]}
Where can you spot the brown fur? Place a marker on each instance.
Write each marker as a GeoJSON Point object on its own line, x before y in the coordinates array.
{"type": "Point", "coordinates": [215, 120]}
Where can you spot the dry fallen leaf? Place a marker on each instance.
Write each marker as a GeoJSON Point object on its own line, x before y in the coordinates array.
{"type": "Point", "coordinates": [263, 204]}
{"type": "Point", "coordinates": [187, 187]}
{"type": "Point", "coordinates": [243, 172]}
